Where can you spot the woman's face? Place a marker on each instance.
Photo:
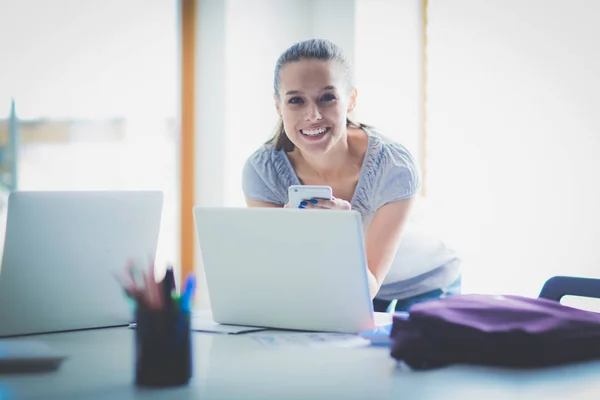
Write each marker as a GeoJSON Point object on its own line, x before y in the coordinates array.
{"type": "Point", "coordinates": [314, 100]}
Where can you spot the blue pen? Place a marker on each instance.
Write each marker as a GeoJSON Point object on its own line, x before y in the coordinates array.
{"type": "Point", "coordinates": [188, 294]}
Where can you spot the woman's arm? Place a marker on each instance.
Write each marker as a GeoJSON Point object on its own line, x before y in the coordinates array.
{"type": "Point", "coordinates": [383, 239]}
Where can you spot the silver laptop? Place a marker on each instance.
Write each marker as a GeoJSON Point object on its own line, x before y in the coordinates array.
{"type": "Point", "coordinates": [286, 268]}
{"type": "Point", "coordinates": [60, 251]}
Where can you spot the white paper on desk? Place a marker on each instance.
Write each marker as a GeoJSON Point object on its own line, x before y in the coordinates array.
{"type": "Point", "coordinates": [202, 322]}
{"type": "Point", "coordinates": [309, 339]}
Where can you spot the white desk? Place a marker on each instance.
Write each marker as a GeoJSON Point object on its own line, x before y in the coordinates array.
{"type": "Point", "coordinates": [239, 367]}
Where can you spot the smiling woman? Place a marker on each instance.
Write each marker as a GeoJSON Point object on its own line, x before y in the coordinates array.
{"type": "Point", "coordinates": [317, 143]}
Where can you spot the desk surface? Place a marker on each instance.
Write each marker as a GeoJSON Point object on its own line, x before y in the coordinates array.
{"type": "Point", "coordinates": [241, 367]}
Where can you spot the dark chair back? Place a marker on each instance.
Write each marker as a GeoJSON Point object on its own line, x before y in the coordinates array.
{"type": "Point", "coordinates": [558, 286]}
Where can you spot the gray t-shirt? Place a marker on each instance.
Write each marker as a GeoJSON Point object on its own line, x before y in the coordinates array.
{"type": "Point", "coordinates": [389, 173]}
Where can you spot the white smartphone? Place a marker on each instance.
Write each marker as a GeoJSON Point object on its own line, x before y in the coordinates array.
{"type": "Point", "coordinates": [297, 193]}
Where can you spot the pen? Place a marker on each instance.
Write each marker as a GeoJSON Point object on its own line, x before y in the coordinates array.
{"type": "Point", "coordinates": [188, 294]}
{"type": "Point", "coordinates": [146, 293]}
{"type": "Point", "coordinates": [168, 286]}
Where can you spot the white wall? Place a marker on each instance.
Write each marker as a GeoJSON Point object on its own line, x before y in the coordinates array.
{"type": "Point", "coordinates": [389, 68]}
{"type": "Point", "coordinates": [514, 135]}
{"type": "Point", "coordinates": [210, 103]}
{"type": "Point", "coordinates": [210, 124]}
{"type": "Point", "coordinates": [55, 54]}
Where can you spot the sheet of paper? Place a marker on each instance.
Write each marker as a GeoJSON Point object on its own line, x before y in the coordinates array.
{"type": "Point", "coordinates": [308, 339]}
{"type": "Point", "coordinates": [202, 322]}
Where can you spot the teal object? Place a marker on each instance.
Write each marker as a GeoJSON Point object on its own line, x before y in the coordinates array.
{"type": "Point", "coordinates": [130, 300]}
{"type": "Point", "coordinates": [14, 146]}
{"type": "Point", "coordinates": [10, 157]}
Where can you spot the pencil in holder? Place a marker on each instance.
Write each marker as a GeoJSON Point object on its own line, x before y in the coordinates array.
{"type": "Point", "coordinates": [163, 348]}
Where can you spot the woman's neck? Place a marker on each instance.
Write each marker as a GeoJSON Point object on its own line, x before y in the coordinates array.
{"type": "Point", "coordinates": [338, 161]}
{"type": "Point", "coordinates": [330, 163]}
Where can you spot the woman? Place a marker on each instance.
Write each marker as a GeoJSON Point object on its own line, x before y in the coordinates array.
{"type": "Point", "coordinates": [317, 144]}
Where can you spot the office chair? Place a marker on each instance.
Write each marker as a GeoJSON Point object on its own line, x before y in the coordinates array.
{"type": "Point", "coordinates": [558, 286]}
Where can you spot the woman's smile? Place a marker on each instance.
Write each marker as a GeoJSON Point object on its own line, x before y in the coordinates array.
{"type": "Point", "coordinates": [314, 134]}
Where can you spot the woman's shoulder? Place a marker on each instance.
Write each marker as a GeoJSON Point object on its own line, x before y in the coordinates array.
{"type": "Point", "coordinates": [263, 157]}
{"type": "Point", "coordinates": [386, 152]}
{"type": "Point", "coordinates": [266, 175]}
{"type": "Point", "coordinates": [392, 170]}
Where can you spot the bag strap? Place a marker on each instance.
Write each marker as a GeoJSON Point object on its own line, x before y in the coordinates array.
{"type": "Point", "coordinates": [558, 286]}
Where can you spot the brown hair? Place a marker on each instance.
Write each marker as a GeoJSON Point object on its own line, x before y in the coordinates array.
{"type": "Point", "coordinates": [313, 49]}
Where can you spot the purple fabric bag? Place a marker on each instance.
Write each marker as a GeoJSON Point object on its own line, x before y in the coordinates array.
{"type": "Point", "coordinates": [496, 330]}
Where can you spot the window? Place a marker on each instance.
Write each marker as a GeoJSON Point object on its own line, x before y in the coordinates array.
{"type": "Point", "coordinates": [96, 94]}
{"type": "Point", "coordinates": [513, 138]}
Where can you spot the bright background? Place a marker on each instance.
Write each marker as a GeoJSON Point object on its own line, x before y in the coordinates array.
{"type": "Point", "coordinates": [512, 122]}
{"type": "Point", "coordinates": [96, 89]}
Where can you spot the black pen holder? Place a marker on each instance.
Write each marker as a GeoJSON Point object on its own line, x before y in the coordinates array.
{"type": "Point", "coordinates": [163, 348]}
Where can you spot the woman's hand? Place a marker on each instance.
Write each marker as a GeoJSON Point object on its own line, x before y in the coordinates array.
{"type": "Point", "coordinates": [325, 204]}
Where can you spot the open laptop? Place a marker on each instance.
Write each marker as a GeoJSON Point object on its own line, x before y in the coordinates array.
{"type": "Point", "coordinates": [286, 268]}
{"type": "Point", "coordinates": [60, 252]}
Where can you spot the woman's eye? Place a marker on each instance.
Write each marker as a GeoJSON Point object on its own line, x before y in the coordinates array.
{"type": "Point", "coordinates": [295, 100]}
{"type": "Point", "coordinates": [328, 97]}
